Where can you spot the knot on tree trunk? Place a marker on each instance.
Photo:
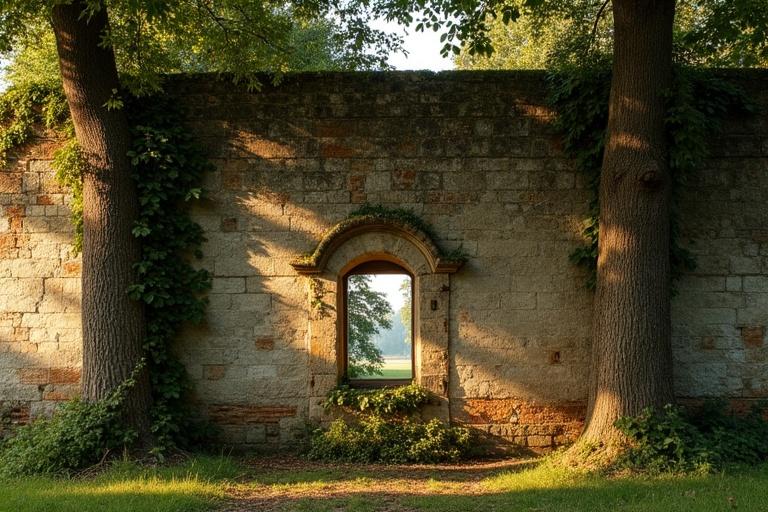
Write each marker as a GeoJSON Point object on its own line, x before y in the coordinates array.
{"type": "Point", "coordinates": [651, 179]}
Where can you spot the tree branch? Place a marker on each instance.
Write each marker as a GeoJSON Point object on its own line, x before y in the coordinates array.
{"type": "Point", "coordinates": [594, 25]}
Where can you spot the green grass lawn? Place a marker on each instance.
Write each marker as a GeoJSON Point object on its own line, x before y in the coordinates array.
{"type": "Point", "coordinates": [196, 485]}
{"type": "Point", "coordinates": [286, 484]}
{"type": "Point", "coordinates": [394, 368]}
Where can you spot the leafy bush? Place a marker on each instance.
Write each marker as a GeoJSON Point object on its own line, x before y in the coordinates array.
{"type": "Point", "coordinates": [77, 436]}
{"type": "Point", "coordinates": [385, 427]}
{"type": "Point", "coordinates": [387, 401]}
{"type": "Point", "coordinates": [376, 439]}
{"type": "Point", "coordinates": [674, 439]}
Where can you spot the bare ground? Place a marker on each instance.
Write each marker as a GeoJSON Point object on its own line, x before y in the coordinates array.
{"type": "Point", "coordinates": [288, 483]}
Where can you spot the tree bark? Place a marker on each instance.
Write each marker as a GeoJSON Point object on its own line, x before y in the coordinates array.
{"type": "Point", "coordinates": [113, 324]}
{"type": "Point", "coordinates": [631, 352]}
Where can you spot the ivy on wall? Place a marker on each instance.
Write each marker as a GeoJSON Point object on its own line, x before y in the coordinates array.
{"type": "Point", "coordinates": [23, 108]}
{"type": "Point", "coordinates": [168, 168]}
{"type": "Point", "coordinates": [697, 104]}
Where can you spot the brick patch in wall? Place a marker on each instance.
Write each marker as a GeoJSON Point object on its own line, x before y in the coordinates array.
{"type": "Point", "coordinates": [224, 414]}
{"type": "Point", "coordinates": [524, 423]}
{"type": "Point", "coordinates": [10, 183]}
{"type": "Point", "coordinates": [42, 376]}
{"type": "Point", "coordinates": [265, 343]}
{"type": "Point", "coordinates": [59, 393]}
{"type": "Point", "coordinates": [753, 336]}
{"type": "Point", "coordinates": [509, 410]}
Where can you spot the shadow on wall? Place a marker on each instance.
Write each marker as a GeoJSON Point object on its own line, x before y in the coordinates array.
{"type": "Point", "coordinates": [40, 334]}
{"type": "Point", "coordinates": [293, 161]}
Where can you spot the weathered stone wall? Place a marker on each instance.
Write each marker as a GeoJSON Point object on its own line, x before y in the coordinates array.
{"type": "Point", "coordinates": [721, 311]}
{"type": "Point", "coordinates": [40, 337]}
{"type": "Point", "coordinates": [475, 155]}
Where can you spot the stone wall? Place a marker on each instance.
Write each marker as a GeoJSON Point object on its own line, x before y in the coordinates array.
{"type": "Point", "coordinates": [40, 337]}
{"type": "Point", "coordinates": [475, 155]}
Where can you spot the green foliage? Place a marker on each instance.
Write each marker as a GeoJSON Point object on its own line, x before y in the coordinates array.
{"type": "Point", "coordinates": [549, 35]}
{"type": "Point", "coordinates": [722, 33]}
{"type": "Point", "coordinates": [168, 169]}
{"type": "Point", "coordinates": [406, 310]}
{"type": "Point", "coordinates": [33, 103]}
{"type": "Point", "coordinates": [675, 439]}
{"type": "Point", "coordinates": [368, 312]}
{"type": "Point", "coordinates": [397, 401]}
{"type": "Point", "coordinates": [375, 439]}
{"type": "Point", "coordinates": [68, 162]}
{"type": "Point", "coordinates": [152, 37]}
{"type": "Point", "coordinates": [78, 435]}
{"type": "Point", "coordinates": [553, 34]}
{"type": "Point", "coordinates": [25, 106]}
{"type": "Point", "coordinates": [696, 106]}
{"type": "Point", "coordinates": [401, 215]}
{"type": "Point", "coordinates": [580, 95]}
{"type": "Point", "coordinates": [385, 427]}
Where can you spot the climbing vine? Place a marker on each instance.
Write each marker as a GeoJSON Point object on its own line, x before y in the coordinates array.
{"type": "Point", "coordinates": [68, 162]}
{"type": "Point", "coordinates": [168, 169]}
{"type": "Point", "coordinates": [26, 107]}
{"type": "Point", "coordinates": [697, 103]}
{"type": "Point", "coordinates": [33, 105]}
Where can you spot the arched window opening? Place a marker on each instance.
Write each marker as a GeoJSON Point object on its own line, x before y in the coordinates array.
{"type": "Point", "coordinates": [378, 325]}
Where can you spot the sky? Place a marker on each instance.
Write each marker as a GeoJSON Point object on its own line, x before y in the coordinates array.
{"type": "Point", "coordinates": [389, 284]}
{"type": "Point", "coordinates": [423, 48]}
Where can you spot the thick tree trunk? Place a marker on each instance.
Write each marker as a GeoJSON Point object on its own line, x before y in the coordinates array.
{"type": "Point", "coordinates": [631, 352]}
{"type": "Point", "coordinates": [113, 324]}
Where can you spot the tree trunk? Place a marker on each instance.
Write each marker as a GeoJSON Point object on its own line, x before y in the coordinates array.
{"type": "Point", "coordinates": [631, 352]}
{"type": "Point", "coordinates": [113, 324]}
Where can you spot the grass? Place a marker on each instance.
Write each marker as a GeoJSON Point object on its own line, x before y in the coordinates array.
{"type": "Point", "coordinates": [394, 368]}
{"type": "Point", "coordinates": [196, 485]}
{"type": "Point", "coordinates": [288, 484]}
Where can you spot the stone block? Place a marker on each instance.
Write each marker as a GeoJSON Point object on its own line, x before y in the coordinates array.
{"type": "Point", "coordinates": [236, 414]}
{"type": "Point", "coordinates": [228, 285]}
{"type": "Point", "coordinates": [37, 376]}
{"type": "Point", "coordinates": [214, 371]}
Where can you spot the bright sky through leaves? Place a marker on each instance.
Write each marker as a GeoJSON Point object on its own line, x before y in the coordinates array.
{"type": "Point", "coordinates": [423, 48]}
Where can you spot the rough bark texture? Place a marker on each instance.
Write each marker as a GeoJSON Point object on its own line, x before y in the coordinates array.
{"type": "Point", "coordinates": [632, 355]}
{"type": "Point", "coordinates": [112, 323]}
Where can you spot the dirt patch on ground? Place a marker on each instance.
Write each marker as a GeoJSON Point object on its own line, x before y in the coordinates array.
{"type": "Point", "coordinates": [290, 483]}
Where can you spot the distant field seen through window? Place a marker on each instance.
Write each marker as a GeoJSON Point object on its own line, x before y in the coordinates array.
{"type": "Point", "coordinates": [379, 326]}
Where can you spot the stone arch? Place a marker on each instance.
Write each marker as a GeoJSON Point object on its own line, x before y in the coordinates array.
{"type": "Point", "coordinates": [354, 227]}
{"type": "Point", "coordinates": [364, 239]}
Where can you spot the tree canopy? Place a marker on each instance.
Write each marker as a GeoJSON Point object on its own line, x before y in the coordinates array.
{"type": "Point", "coordinates": [713, 33]}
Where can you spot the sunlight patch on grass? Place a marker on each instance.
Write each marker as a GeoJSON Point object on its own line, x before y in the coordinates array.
{"type": "Point", "coordinates": [196, 485]}
{"type": "Point", "coordinates": [547, 488]}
